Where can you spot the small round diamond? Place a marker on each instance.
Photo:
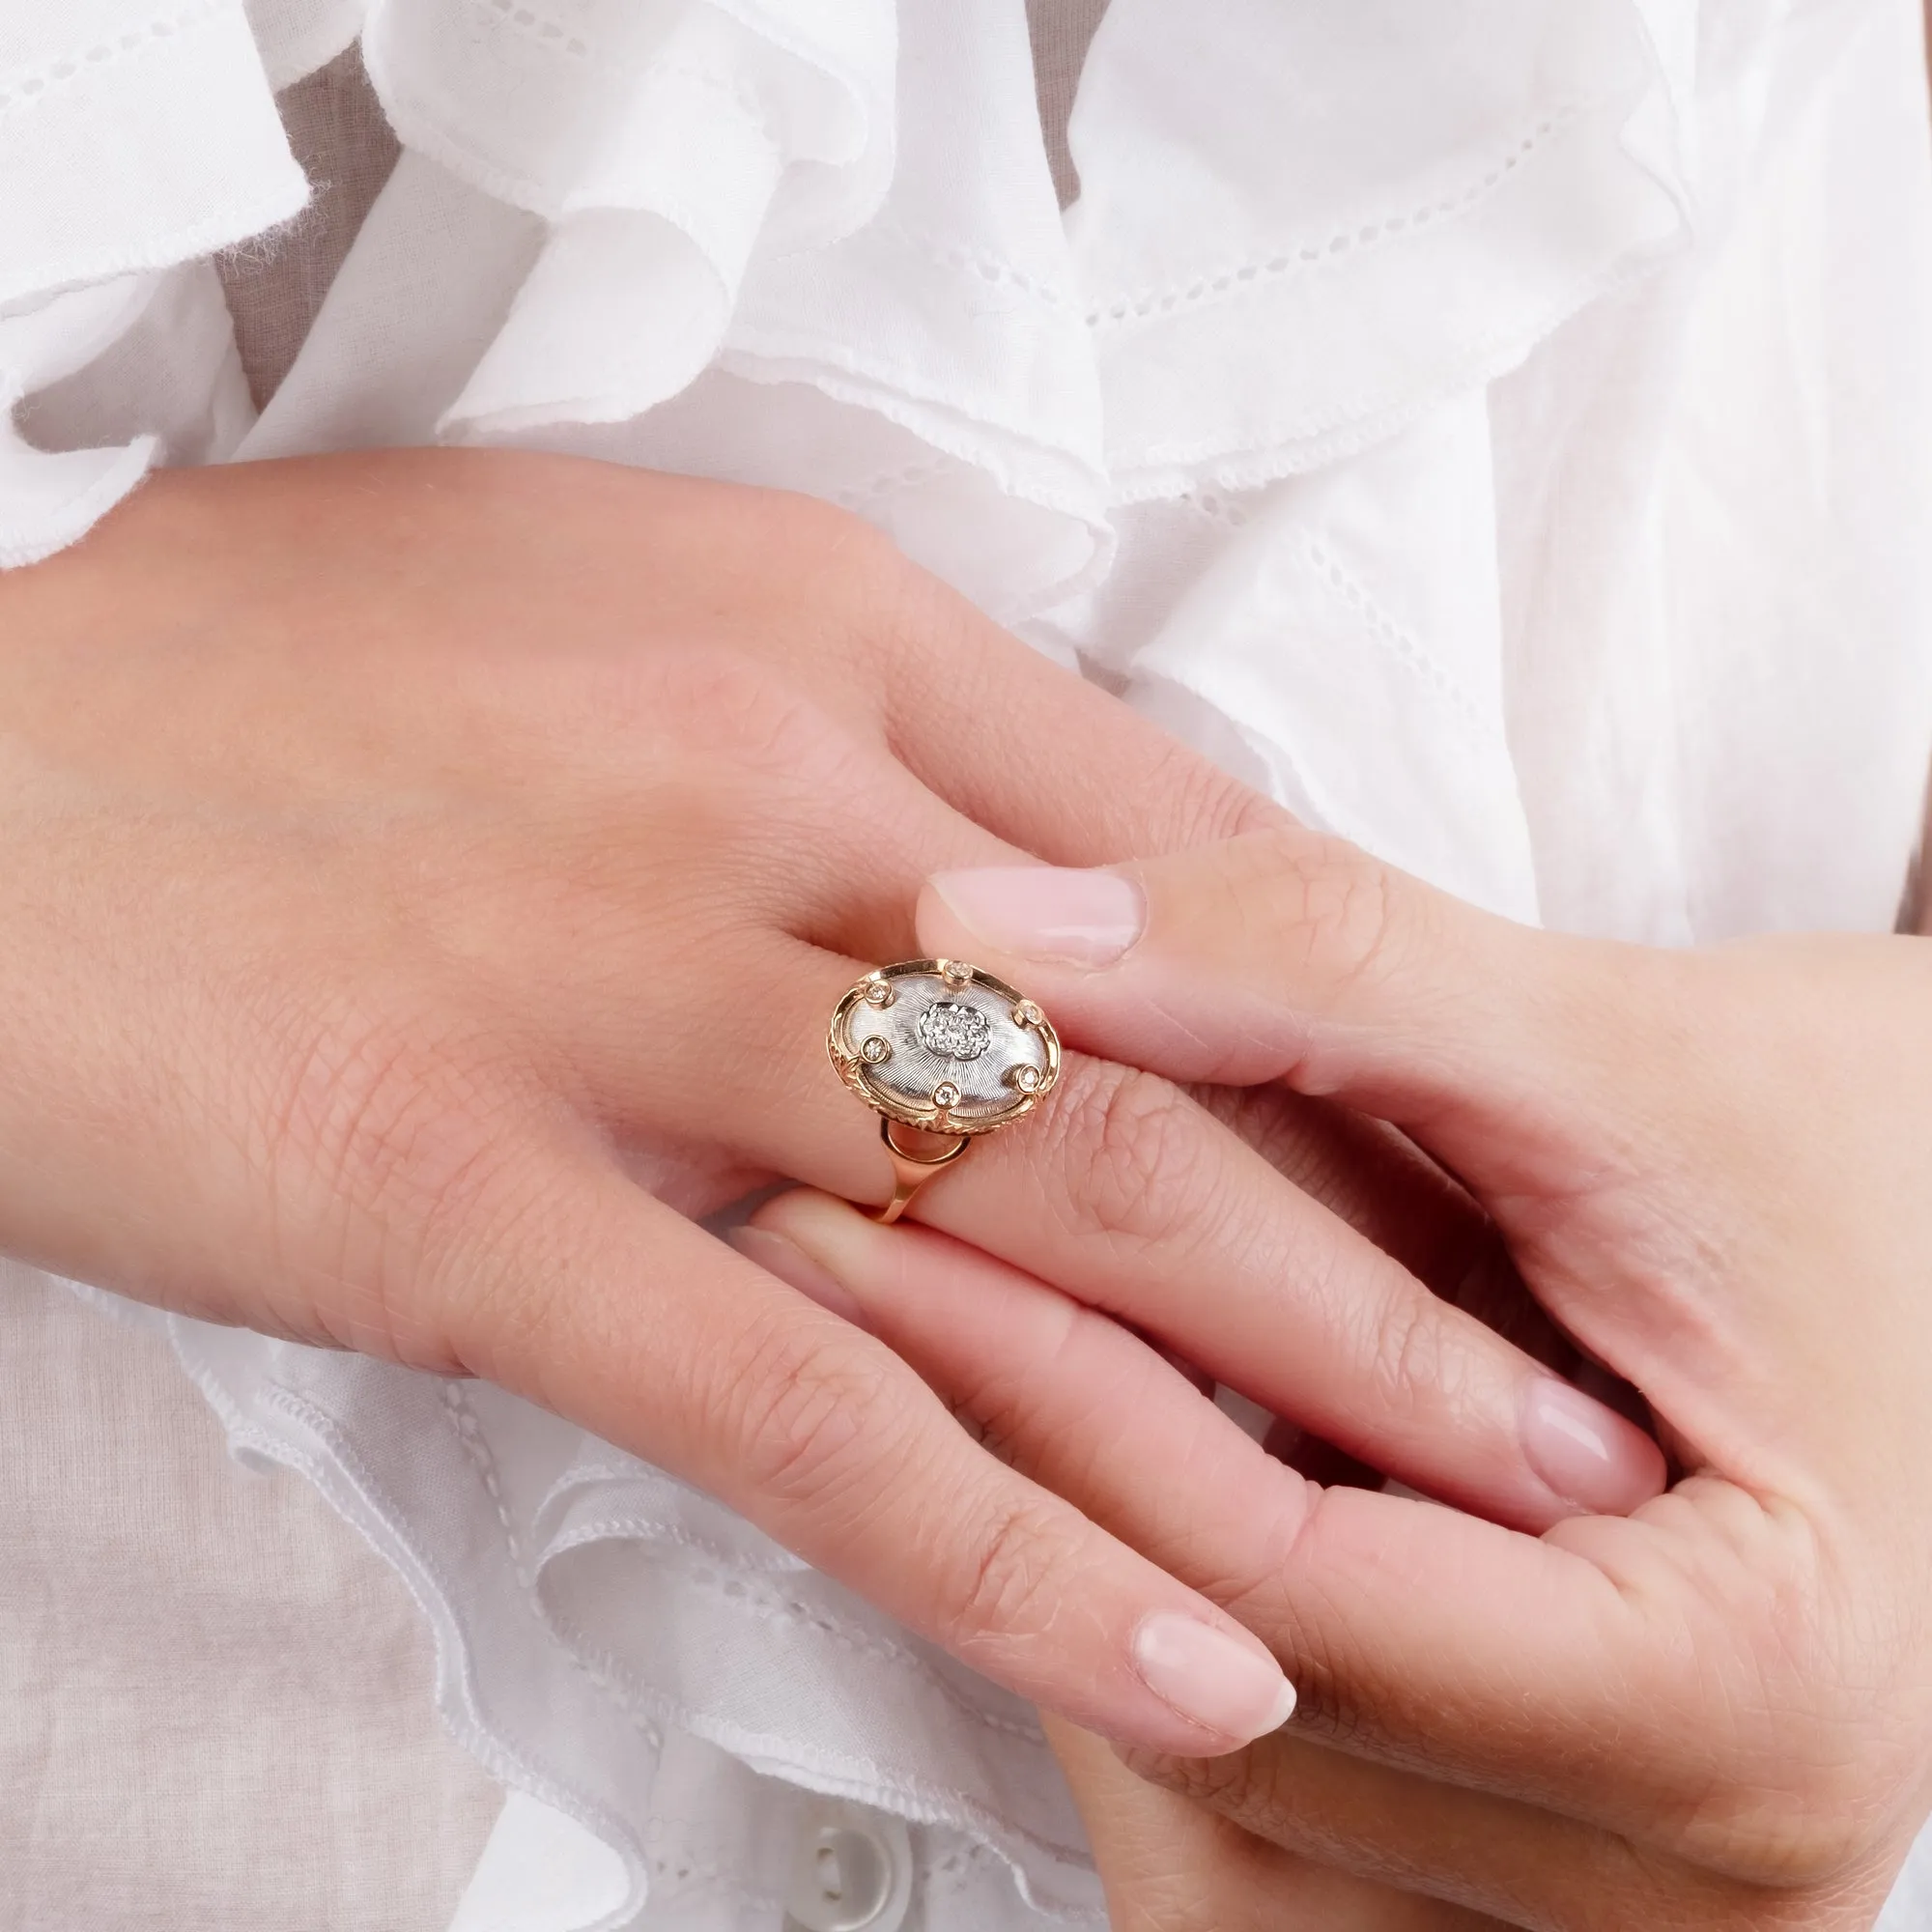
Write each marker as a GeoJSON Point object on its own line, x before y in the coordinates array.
{"type": "Point", "coordinates": [1026, 1078]}
{"type": "Point", "coordinates": [1026, 1015]}
{"type": "Point", "coordinates": [953, 1032]}
{"type": "Point", "coordinates": [876, 1048]}
{"type": "Point", "coordinates": [878, 994]}
{"type": "Point", "coordinates": [955, 971]}
{"type": "Point", "coordinates": [945, 1094]}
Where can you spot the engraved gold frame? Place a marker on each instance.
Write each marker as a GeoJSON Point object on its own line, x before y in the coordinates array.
{"type": "Point", "coordinates": [909, 1170]}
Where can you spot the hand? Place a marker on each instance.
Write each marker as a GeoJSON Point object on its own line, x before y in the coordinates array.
{"type": "Point", "coordinates": [428, 877]}
{"type": "Point", "coordinates": [1711, 1168]}
{"type": "Point", "coordinates": [1169, 1865]}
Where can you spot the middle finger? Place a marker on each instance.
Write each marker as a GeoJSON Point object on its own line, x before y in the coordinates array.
{"type": "Point", "coordinates": [1127, 1194]}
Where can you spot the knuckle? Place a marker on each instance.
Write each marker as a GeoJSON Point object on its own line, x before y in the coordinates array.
{"type": "Point", "coordinates": [385, 1148]}
{"type": "Point", "coordinates": [1225, 1784]}
{"type": "Point", "coordinates": [1330, 907]}
{"type": "Point", "coordinates": [1024, 1557]}
{"type": "Point", "coordinates": [805, 1418]}
{"type": "Point", "coordinates": [1411, 1361]}
{"type": "Point", "coordinates": [1344, 904]}
{"type": "Point", "coordinates": [1211, 806]}
{"type": "Point", "coordinates": [1134, 1149]}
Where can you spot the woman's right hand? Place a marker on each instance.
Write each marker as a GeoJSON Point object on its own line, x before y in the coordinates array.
{"type": "Point", "coordinates": [428, 877]}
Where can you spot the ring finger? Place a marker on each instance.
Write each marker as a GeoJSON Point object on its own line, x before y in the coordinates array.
{"type": "Point", "coordinates": [1123, 1191]}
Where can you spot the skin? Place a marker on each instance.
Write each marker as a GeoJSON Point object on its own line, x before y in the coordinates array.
{"type": "Point", "coordinates": [429, 877]}
{"type": "Point", "coordinates": [1710, 1168]}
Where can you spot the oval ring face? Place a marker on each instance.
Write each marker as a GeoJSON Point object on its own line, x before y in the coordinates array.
{"type": "Point", "coordinates": [938, 1044]}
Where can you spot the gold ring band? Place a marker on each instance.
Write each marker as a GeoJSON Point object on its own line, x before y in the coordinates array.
{"type": "Point", "coordinates": [940, 1046]}
{"type": "Point", "coordinates": [910, 1172]}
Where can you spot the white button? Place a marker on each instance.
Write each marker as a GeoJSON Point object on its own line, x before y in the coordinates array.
{"type": "Point", "coordinates": [851, 1870]}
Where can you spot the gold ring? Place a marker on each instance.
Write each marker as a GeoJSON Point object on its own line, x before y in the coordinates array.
{"type": "Point", "coordinates": [938, 1045]}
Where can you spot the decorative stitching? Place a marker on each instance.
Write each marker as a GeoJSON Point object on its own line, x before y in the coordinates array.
{"type": "Point", "coordinates": [1342, 429]}
{"type": "Point", "coordinates": [669, 1861]}
{"type": "Point", "coordinates": [39, 84]}
{"type": "Point", "coordinates": [539, 27]}
{"type": "Point", "coordinates": [469, 1433]}
{"type": "Point", "coordinates": [1403, 645]}
{"type": "Point", "coordinates": [983, 263]}
{"type": "Point", "coordinates": [1300, 258]}
{"type": "Point", "coordinates": [958, 1868]}
{"type": "Point", "coordinates": [1220, 509]}
{"type": "Point", "coordinates": [655, 1529]}
{"type": "Point", "coordinates": [763, 1602]}
{"type": "Point", "coordinates": [485, 1743]}
{"type": "Point", "coordinates": [773, 1605]}
{"type": "Point", "coordinates": [890, 480]}
{"type": "Point", "coordinates": [733, 87]}
{"type": "Point", "coordinates": [420, 125]}
{"type": "Point", "coordinates": [897, 387]}
{"type": "Point", "coordinates": [925, 1804]}
{"type": "Point", "coordinates": [508, 1765]}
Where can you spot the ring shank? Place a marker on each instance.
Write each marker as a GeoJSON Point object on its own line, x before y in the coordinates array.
{"type": "Point", "coordinates": [910, 1172]}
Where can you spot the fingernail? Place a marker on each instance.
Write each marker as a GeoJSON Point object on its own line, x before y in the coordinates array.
{"type": "Point", "coordinates": [797, 1269]}
{"type": "Point", "coordinates": [1047, 912]}
{"type": "Point", "coordinates": [1216, 1680]}
{"type": "Point", "coordinates": [1590, 1456]}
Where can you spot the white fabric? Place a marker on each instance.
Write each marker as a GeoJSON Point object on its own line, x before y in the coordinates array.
{"type": "Point", "coordinates": [1503, 427]}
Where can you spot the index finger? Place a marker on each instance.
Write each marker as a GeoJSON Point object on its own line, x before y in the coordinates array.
{"type": "Point", "coordinates": [572, 1287]}
{"type": "Point", "coordinates": [1040, 757]}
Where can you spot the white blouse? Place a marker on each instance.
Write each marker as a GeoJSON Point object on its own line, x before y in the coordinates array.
{"type": "Point", "coordinates": [1500, 428]}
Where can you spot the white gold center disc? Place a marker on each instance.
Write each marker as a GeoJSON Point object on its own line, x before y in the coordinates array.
{"type": "Point", "coordinates": [939, 1044]}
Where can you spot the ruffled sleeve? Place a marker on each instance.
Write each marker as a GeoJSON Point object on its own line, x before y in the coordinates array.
{"type": "Point", "coordinates": [1302, 226]}
{"type": "Point", "coordinates": [133, 137]}
{"type": "Point", "coordinates": [1352, 423]}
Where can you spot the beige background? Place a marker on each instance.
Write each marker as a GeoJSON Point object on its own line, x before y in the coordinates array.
{"type": "Point", "coordinates": [214, 1699]}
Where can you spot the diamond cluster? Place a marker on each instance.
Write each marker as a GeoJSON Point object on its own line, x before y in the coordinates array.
{"type": "Point", "coordinates": [953, 1032]}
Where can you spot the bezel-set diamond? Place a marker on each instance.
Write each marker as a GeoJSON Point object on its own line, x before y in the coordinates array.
{"type": "Point", "coordinates": [938, 1044]}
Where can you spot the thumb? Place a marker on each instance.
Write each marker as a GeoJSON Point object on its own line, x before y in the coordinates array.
{"type": "Point", "coordinates": [1287, 955]}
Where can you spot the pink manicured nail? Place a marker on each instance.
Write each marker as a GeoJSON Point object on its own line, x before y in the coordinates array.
{"type": "Point", "coordinates": [1590, 1456]}
{"type": "Point", "coordinates": [1221, 1683]}
{"type": "Point", "coordinates": [1047, 912]}
{"type": "Point", "coordinates": [797, 1269]}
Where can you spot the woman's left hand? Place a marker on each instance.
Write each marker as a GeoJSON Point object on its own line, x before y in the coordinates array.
{"type": "Point", "coordinates": [1714, 1169]}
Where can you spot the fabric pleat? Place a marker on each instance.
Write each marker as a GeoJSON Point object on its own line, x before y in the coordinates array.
{"type": "Point", "coordinates": [1500, 429]}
